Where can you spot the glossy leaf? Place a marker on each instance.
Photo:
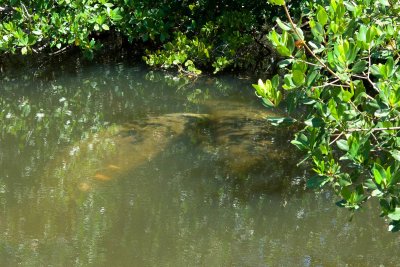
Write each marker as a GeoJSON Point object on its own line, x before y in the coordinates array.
{"type": "Point", "coordinates": [395, 215]}
{"type": "Point", "coordinates": [379, 173]}
{"type": "Point", "coordinates": [359, 67]}
{"type": "Point", "coordinates": [315, 122]}
{"type": "Point", "coordinates": [277, 2]}
{"type": "Point", "coordinates": [322, 16]}
{"type": "Point", "coordinates": [298, 77]}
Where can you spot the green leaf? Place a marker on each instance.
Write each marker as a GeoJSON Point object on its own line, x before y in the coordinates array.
{"type": "Point", "coordinates": [369, 183]}
{"type": "Point", "coordinates": [379, 173]}
{"type": "Point", "coordinates": [283, 50]}
{"type": "Point", "coordinates": [342, 144]}
{"type": "Point", "coordinates": [395, 154]}
{"type": "Point", "coordinates": [301, 142]}
{"type": "Point", "coordinates": [267, 103]}
{"type": "Point", "coordinates": [315, 122]}
{"type": "Point", "coordinates": [284, 26]}
{"type": "Point", "coordinates": [277, 2]}
{"type": "Point", "coordinates": [299, 65]}
{"type": "Point", "coordinates": [109, 5]}
{"type": "Point", "coordinates": [24, 50]}
{"type": "Point", "coordinates": [105, 27]}
{"type": "Point", "coordinates": [349, 6]}
{"type": "Point", "coordinates": [381, 113]}
{"type": "Point", "coordinates": [376, 70]}
{"type": "Point", "coordinates": [300, 33]}
{"type": "Point", "coordinates": [322, 16]}
{"type": "Point", "coordinates": [359, 67]}
{"type": "Point", "coordinates": [311, 77]}
{"type": "Point", "coordinates": [389, 67]}
{"type": "Point", "coordinates": [362, 34]}
{"type": "Point", "coordinates": [346, 193]}
{"type": "Point", "coordinates": [262, 89]}
{"type": "Point", "coordinates": [288, 82]}
{"type": "Point", "coordinates": [275, 81]}
{"type": "Point", "coordinates": [317, 181]}
{"type": "Point", "coordinates": [298, 77]}
{"type": "Point", "coordinates": [384, 3]}
{"type": "Point", "coordinates": [285, 63]}
{"type": "Point", "coordinates": [371, 32]}
{"type": "Point", "coordinates": [354, 142]}
{"type": "Point", "coordinates": [395, 215]}
{"type": "Point", "coordinates": [274, 38]}
{"type": "Point", "coordinates": [346, 95]}
{"type": "Point", "coordinates": [317, 30]}
{"type": "Point", "coordinates": [376, 193]}
{"type": "Point", "coordinates": [395, 178]}
{"type": "Point", "coordinates": [115, 15]}
{"type": "Point", "coordinates": [37, 32]}
{"type": "Point", "coordinates": [290, 44]}
{"type": "Point", "coordinates": [276, 121]}
{"type": "Point", "coordinates": [333, 110]}
{"type": "Point", "coordinates": [384, 205]}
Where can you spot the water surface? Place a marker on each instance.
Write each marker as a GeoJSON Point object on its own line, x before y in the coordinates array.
{"type": "Point", "coordinates": [113, 165]}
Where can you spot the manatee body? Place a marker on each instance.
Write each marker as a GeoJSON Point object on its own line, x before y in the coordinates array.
{"type": "Point", "coordinates": [241, 136]}
{"type": "Point", "coordinates": [138, 143]}
{"type": "Point", "coordinates": [236, 133]}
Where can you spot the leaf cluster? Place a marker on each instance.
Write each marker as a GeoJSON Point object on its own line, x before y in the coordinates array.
{"type": "Point", "coordinates": [341, 62]}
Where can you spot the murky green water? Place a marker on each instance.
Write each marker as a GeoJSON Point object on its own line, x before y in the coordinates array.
{"type": "Point", "coordinates": [110, 165]}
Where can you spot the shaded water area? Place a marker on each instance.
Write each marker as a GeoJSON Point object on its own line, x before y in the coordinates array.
{"type": "Point", "coordinates": [113, 165]}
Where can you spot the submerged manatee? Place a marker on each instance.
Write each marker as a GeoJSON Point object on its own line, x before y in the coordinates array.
{"type": "Point", "coordinates": [140, 142]}
{"type": "Point", "coordinates": [252, 154]}
{"type": "Point", "coordinates": [241, 136]}
{"type": "Point", "coordinates": [118, 149]}
{"type": "Point", "coordinates": [235, 132]}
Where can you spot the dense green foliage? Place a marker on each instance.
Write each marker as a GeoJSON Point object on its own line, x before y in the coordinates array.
{"type": "Point", "coordinates": [186, 35]}
{"type": "Point", "coordinates": [342, 60]}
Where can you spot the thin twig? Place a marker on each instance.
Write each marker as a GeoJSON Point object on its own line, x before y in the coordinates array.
{"type": "Point", "coordinates": [376, 139]}
{"type": "Point", "coordinates": [62, 50]}
{"type": "Point", "coordinates": [360, 77]}
{"type": "Point", "coordinates": [333, 83]}
{"type": "Point", "coordinates": [369, 70]}
{"type": "Point", "coordinates": [373, 129]}
{"type": "Point", "coordinates": [26, 11]}
{"type": "Point", "coordinates": [309, 63]}
{"type": "Point", "coordinates": [337, 137]}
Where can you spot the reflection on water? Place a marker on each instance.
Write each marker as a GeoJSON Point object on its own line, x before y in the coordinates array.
{"type": "Point", "coordinates": [111, 165]}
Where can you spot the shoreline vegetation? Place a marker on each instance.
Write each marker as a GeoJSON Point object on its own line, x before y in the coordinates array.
{"type": "Point", "coordinates": [190, 37]}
